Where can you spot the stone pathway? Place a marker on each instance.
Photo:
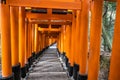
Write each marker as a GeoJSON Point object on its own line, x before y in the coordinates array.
{"type": "Point", "coordinates": [49, 67]}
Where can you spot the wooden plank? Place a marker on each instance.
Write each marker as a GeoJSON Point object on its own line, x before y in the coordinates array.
{"type": "Point", "coordinates": [46, 4]}
{"type": "Point", "coordinates": [52, 23]}
{"type": "Point", "coordinates": [47, 29]}
{"type": "Point", "coordinates": [48, 16]}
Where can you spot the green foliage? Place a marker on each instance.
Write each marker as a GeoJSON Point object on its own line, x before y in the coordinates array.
{"type": "Point", "coordinates": [109, 13]}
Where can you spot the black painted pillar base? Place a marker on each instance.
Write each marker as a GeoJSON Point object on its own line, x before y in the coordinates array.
{"type": "Point", "coordinates": [66, 61]}
{"type": "Point", "coordinates": [33, 56]}
{"type": "Point", "coordinates": [75, 71]}
{"type": "Point", "coordinates": [23, 72]}
{"type": "Point", "coordinates": [16, 71]}
{"type": "Point", "coordinates": [82, 77]}
{"type": "Point", "coordinates": [70, 70]}
{"type": "Point", "coordinates": [7, 78]}
{"type": "Point", "coordinates": [37, 56]}
{"type": "Point", "coordinates": [63, 56]}
{"type": "Point", "coordinates": [27, 67]}
{"type": "Point", "coordinates": [30, 61]}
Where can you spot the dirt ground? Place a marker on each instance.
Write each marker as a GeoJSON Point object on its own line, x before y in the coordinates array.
{"type": "Point", "coordinates": [104, 65]}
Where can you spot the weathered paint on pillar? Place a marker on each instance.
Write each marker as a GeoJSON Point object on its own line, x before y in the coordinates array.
{"type": "Point", "coordinates": [115, 58]}
{"type": "Point", "coordinates": [14, 35]}
{"type": "Point", "coordinates": [22, 36]}
{"type": "Point", "coordinates": [95, 39]}
{"type": "Point", "coordinates": [84, 37]}
{"type": "Point", "coordinates": [6, 40]}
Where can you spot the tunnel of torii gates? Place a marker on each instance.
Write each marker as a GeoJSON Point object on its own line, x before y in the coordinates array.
{"type": "Point", "coordinates": [28, 27]}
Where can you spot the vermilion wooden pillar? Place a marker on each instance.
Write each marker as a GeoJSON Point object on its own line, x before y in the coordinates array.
{"type": "Point", "coordinates": [59, 42]}
{"type": "Point", "coordinates": [74, 29]}
{"type": "Point", "coordinates": [49, 40]}
{"type": "Point", "coordinates": [64, 37]}
{"type": "Point", "coordinates": [40, 40]}
{"type": "Point", "coordinates": [26, 45]}
{"type": "Point", "coordinates": [14, 42]}
{"type": "Point", "coordinates": [95, 39]}
{"type": "Point", "coordinates": [22, 40]}
{"type": "Point", "coordinates": [77, 45]}
{"type": "Point", "coordinates": [115, 58]}
{"type": "Point", "coordinates": [29, 28]}
{"type": "Point", "coordinates": [70, 29]}
{"type": "Point", "coordinates": [30, 44]}
{"type": "Point", "coordinates": [36, 37]}
{"type": "Point", "coordinates": [33, 37]}
{"type": "Point", "coordinates": [83, 40]}
{"type": "Point", "coordinates": [67, 44]}
{"type": "Point", "coordinates": [46, 44]}
{"type": "Point", "coordinates": [62, 43]}
{"type": "Point", "coordinates": [43, 40]}
{"type": "Point", "coordinates": [38, 48]}
{"type": "Point", "coordinates": [72, 46]}
{"type": "Point", "coordinates": [67, 40]}
{"type": "Point", "coordinates": [6, 42]}
{"type": "Point", "coordinates": [78, 39]}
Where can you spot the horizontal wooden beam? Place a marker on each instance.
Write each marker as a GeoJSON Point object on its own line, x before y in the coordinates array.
{"type": "Point", "coordinates": [46, 4]}
{"type": "Point", "coordinates": [52, 23]}
{"type": "Point", "coordinates": [48, 16]}
{"type": "Point", "coordinates": [47, 29]}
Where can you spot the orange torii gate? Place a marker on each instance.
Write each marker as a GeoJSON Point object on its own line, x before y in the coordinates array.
{"type": "Point", "coordinates": [23, 41]}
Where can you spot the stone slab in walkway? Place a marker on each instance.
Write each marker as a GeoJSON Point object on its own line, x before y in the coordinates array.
{"type": "Point", "coordinates": [48, 68]}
